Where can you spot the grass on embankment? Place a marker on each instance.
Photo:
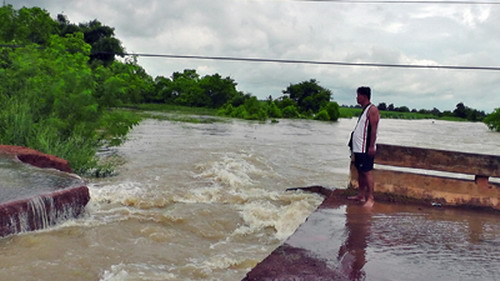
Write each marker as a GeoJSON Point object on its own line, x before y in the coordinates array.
{"type": "Point", "coordinates": [175, 113]}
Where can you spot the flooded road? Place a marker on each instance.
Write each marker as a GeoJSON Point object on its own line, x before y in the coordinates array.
{"type": "Point", "coordinates": [208, 202]}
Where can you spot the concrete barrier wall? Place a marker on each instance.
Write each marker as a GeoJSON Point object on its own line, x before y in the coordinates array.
{"type": "Point", "coordinates": [477, 191]}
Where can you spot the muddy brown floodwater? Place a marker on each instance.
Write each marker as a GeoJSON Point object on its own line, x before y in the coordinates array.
{"type": "Point", "coordinates": [208, 202]}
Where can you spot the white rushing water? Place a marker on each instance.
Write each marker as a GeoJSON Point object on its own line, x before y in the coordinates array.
{"type": "Point", "coordinates": [208, 201]}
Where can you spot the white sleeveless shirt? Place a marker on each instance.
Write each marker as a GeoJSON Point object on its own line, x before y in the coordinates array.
{"type": "Point", "coordinates": [361, 133]}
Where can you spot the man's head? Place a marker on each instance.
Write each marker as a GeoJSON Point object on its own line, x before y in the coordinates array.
{"type": "Point", "coordinates": [364, 95]}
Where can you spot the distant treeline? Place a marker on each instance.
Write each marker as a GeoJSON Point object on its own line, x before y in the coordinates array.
{"type": "Point", "coordinates": [60, 82]}
{"type": "Point", "coordinates": [461, 111]}
{"type": "Point", "coordinates": [302, 100]}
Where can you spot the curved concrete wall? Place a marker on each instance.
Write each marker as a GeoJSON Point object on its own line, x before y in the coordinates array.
{"type": "Point", "coordinates": [45, 209]}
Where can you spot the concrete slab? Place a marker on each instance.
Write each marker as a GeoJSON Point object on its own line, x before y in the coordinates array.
{"type": "Point", "coordinates": [341, 240]}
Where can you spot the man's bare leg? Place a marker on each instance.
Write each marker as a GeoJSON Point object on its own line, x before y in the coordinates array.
{"type": "Point", "coordinates": [361, 189]}
{"type": "Point", "coordinates": [370, 200]}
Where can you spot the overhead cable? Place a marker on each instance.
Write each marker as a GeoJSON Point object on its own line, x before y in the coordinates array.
{"type": "Point", "coordinates": [452, 2]}
{"type": "Point", "coordinates": [288, 61]}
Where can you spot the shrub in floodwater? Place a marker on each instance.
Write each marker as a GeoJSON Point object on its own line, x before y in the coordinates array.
{"type": "Point", "coordinates": [493, 120]}
{"type": "Point", "coordinates": [273, 110]}
{"type": "Point", "coordinates": [322, 115]}
{"type": "Point", "coordinates": [290, 111]}
{"type": "Point", "coordinates": [332, 108]}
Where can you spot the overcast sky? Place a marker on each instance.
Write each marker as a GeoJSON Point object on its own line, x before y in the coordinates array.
{"type": "Point", "coordinates": [424, 34]}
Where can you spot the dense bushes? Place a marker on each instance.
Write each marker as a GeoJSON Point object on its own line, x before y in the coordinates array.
{"type": "Point", "coordinates": [303, 100]}
{"type": "Point", "coordinates": [51, 98]}
{"type": "Point", "coordinates": [189, 89]}
{"type": "Point", "coordinates": [493, 120]}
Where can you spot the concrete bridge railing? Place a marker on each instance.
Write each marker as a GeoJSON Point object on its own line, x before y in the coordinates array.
{"type": "Point", "coordinates": [435, 176]}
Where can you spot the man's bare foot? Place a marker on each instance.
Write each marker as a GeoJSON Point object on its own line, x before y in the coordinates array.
{"type": "Point", "coordinates": [356, 198]}
{"type": "Point", "coordinates": [369, 203]}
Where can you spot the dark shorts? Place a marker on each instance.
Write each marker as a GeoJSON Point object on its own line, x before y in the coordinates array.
{"type": "Point", "coordinates": [363, 162]}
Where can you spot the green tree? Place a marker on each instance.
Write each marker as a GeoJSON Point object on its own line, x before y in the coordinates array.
{"type": "Point", "coordinates": [27, 25]}
{"type": "Point", "coordinates": [101, 37]}
{"type": "Point", "coordinates": [333, 110]}
{"type": "Point", "coordinates": [219, 90]}
{"type": "Point", "coordinates": [468, 113]}
{"type": "Point", "coordinates": [163, 91]}
{"type": "Point", "coordinates": [186, 89]}
{"type": "Point", "coordinates": [460, 111]}
{"type": "Point", "coordinates": [285, 101]}
{"type": "Point", "coordinates": [435, 111]}
{"type": "Point", "coordinates": [308, 95]}
{"type": "Point", "coordinates": [239, 99]}
{"type": "Point", "coordinates": [65, 26]}
{"type": "Point", "coordinates": [273, 110]}
{"type": "Point", "coordinates": [291, 111]}
{"type": "Point", "coordinates": [322, 115]}
{"type": "Point", "coordinates": [122, 83]}
{"type": "Point", "coordinates": [402, 109]}
{"type": "Point", "coordinates": [493, 120]}
{"type": "Point", "coordinates": [382, 106]}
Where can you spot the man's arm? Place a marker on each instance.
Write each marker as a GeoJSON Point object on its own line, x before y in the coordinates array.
{"type": "Point", "coordinates": [374, 117]}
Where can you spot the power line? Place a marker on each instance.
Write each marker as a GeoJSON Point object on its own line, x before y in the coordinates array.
{"type": "Point", "coordinates": [452, 2]}
{"type": "Point", "coordinates": [289, 61]}
{"type": "Point", "coordinates": [311, 62]}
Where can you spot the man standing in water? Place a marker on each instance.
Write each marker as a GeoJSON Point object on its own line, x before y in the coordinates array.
{"type": "Point", "coordinates": [363, 147]}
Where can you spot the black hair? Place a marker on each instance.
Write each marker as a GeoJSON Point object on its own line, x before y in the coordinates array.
{"type": "Point", "coordinates": [365, 91]}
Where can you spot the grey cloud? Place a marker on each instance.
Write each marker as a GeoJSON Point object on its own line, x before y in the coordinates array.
{"type": "Point", "coordinates": [425, 34]}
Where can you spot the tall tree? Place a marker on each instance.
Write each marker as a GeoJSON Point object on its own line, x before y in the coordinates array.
{"type": "Point", "coordinates": [382, 106]}
{"type": "Point", "coordinates": [219, 90]}
{"type": "Point", "coordinates": [105, 46]}
{"type": "Point", "coordinates": [27, 25]}
{"type": "Point", "coordinates": [308, 95]}
{"type": "Point", "coordinates": [460, 111]}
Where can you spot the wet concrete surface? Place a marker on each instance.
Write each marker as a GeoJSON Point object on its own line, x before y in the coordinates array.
{"type": "Point", "coordinates": [341, 240]}
{"type": "Point", "coordinates": [33, 199]}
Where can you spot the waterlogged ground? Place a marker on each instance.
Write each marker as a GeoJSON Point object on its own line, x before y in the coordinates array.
{"type": "Point", "coordinates": [208, 201]}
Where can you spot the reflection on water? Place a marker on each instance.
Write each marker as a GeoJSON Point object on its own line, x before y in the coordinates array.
{"type": "Point", "coordinates": [352, 253]}
{"type": "Point", "coordinates": [393, 241]}
{"type": "Point", "coordinates": [450, 244]}
{"type": "Point", "coordinates": [20, 180]}
{"type": "Point", "coordinates": [396, 242]}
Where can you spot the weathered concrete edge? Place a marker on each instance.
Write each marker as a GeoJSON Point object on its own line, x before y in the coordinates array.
{"type": "Point", "coordinates": [20, 215]}
{"type": "Point", "coordinates": [17, 216]}
{"type": "Point", "coordinates": [36, 158]}
{"type": "Point", "coordinates": [291, 263]}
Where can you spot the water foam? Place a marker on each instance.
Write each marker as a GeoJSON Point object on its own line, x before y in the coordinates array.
{"type": "Point", "coordinates": [222, 262]}
{"type": "Point", "coordinates": [232, 170]}
{"type": "Point", "coordinates": [134, 272]}
{"type": "Point", "coordinates": [284, 219]}
{"type": "Point", "coordinates": [116, 193]}
{"type": "Point", "coordinates": [231, 181]}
